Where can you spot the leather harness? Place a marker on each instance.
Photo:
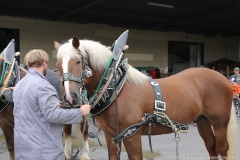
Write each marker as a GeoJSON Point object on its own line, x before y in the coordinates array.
{"type": "Point", "coordinates": [14, 78]}
{"type": "Point", "coordinates": [158, 118]}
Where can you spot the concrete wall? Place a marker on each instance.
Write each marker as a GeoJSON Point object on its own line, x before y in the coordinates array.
{"type": "Point", "coordinates": [147, 48]}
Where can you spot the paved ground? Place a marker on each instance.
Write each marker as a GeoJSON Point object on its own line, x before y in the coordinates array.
{"type": "Point", "coordinates": [191, 147]}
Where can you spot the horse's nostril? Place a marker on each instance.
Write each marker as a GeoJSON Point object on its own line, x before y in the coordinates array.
{"type": "Point", "coordinates": [74, 95]}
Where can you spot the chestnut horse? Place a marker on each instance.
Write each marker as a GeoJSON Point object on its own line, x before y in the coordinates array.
{"type": "Point", "coordinates": [67, 129]}
{"type": "Point", "coordinates": [7, 119]}
{"type": "Point", "coordinates": [196, 94]}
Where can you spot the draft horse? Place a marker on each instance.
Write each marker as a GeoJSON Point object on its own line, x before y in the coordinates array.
{"type": "Point", "coordinates": [6, 113]}
{"type": "Point", "coordinates": [196, 94]}
{"type": "Point", "coordinates": [67, 129]}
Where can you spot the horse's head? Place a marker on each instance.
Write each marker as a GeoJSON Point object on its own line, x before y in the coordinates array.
{"type": "Point", "coordinates": [81, 65]}
{"type": "Point", "coordinates": [70, 66]}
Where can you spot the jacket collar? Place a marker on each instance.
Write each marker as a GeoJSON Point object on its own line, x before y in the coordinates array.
{"type": "Point", "coordinates": [35, 72]}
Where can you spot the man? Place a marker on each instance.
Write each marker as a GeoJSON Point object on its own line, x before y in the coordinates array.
{"type": "Point", "coordinates": [236, 76]}
{"type": "Point", "coordinates": [37, 116]}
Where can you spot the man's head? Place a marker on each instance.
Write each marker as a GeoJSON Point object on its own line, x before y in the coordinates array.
{"type": "Point", "coordinates": [37, 58]}
{"type": "Point", "coordinates": [236, 70]}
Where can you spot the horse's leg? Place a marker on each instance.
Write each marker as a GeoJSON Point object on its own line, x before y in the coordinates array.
{"type": "Point", "coordinates": [7, 124]}
{"type": "Point", "coordinates": [85, 146]}
{"type": "Point", "coordinates": [225, 129]}
{"type": "Point", "coordinates": [112, 149]}
{"type": "Point", "coordinates": [67, 128]}
{"type": "Point", "coordinates": [9, 137]}
{"type": "Point", "coordinates": [221, 139]}
{"type": "Point", "coordinates": [206, 132]}
{"type": "Point", "coordinates": [133, 147]}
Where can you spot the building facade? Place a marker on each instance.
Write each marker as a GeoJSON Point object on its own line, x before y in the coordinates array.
{"type": "Point", "coordinates": [172, 50]}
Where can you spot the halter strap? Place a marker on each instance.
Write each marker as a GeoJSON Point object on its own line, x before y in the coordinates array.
{"type": "Point", "coordinates": [71, 77]}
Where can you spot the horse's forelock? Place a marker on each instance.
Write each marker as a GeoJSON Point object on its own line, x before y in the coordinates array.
{"type": "Point", "coordinates": [67, 49]}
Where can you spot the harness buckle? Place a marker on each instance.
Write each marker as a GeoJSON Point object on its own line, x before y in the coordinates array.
{"type": "Point", "coordinates": [160, 105]}
{"type": "Point", "coordinates": [124, 64]}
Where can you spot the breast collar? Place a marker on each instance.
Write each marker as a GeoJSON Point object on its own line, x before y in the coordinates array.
{"type": "Point", "coordinates": [111, 84]}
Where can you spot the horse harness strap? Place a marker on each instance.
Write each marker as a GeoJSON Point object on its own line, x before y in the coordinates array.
{"type": "Point", "coordinates": [160, 106]}
{"type": "Point", "coordinates": [3, 104]}
{"type": "Point", "coordinates": [158, 118]}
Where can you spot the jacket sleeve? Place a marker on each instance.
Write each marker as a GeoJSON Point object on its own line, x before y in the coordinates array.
{"type": "Point", "coordinates": [49, 105]}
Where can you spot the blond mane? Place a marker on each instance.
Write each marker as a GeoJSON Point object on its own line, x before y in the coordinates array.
{"type": "Point", "coordinates": [99, 56]}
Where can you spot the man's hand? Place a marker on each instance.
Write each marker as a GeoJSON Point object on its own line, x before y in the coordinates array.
{"type": "Point", "coordinates": [4, 89]}
{"type": "Point", "coordinates": [11, 88]}
{"type": "Point", "coordinates": [85, 109]}
{"type": "Point", "coordinates": [61, 104]}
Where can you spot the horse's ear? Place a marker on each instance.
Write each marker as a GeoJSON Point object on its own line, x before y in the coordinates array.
{"type": "Point", "coordinates": [57, 45]}
{"type": "Point", "coordinates": [75, 42]}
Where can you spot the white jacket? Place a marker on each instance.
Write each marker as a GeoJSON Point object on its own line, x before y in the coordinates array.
{"type": "Point", "coordinates": [38, 119]}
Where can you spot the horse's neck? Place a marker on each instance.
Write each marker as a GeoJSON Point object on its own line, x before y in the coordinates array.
{"type": "Point", "coordinates": [91, 83]}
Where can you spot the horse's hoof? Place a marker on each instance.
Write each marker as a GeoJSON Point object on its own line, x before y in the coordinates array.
{"type": "Point", "coordinates": [85, 157]}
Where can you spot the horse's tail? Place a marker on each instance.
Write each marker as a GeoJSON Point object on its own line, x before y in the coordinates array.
{"type": "Point", "coordinates": [232, 135]}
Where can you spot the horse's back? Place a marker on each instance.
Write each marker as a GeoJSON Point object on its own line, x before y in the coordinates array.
{"type": "Point", "coordinates": [196, 91]}
{"type": "Point", "coordinates": [202, 78]}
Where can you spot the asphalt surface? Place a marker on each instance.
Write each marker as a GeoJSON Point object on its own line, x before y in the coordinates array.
{"type": "Point", "coordinates": [191, 147]}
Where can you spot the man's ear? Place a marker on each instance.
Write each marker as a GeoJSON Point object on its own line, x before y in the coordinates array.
{"type": "Point", "coordinates": [44, 63]}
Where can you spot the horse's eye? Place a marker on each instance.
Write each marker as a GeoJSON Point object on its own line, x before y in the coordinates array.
{"type": "Point", "coordinates": [78, 62]}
